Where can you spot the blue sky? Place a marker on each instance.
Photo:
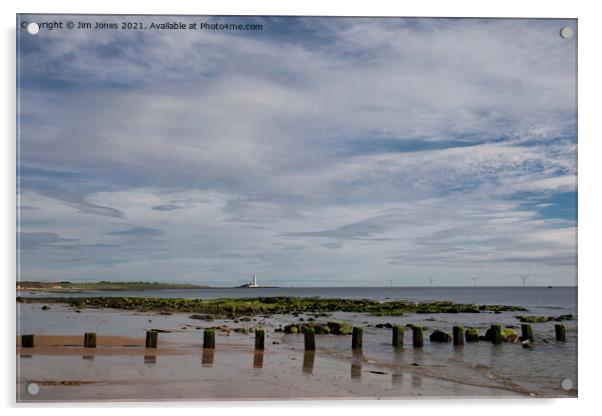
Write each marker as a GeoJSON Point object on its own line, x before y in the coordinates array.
{"type": "Point", "coordinates": [317, 152]}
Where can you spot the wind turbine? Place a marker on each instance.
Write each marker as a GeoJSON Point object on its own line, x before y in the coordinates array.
{"type": "Point", "coordinates": [524, 277]}
{"type": "Point", "coordinates": [391, 282]}
{"type": "Point", "coordinates": [431, 281]}
{"type": "Point", "coordinates": [474, 279]}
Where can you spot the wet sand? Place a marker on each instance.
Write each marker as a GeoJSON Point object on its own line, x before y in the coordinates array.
{"type": "Point", "coordinates": [121, 369]}
{"type": "Point", "coordinates": [230, 372]}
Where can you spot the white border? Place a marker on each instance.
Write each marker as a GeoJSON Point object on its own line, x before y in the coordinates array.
{"type": "Point", "coordinates": [589, 187]}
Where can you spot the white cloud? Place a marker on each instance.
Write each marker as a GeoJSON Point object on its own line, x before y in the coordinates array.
{"type": "Point", "coordinates": [385, 148]}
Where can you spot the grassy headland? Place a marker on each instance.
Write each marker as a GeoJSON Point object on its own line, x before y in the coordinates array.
{"type": "Point", "coordinates": [102, 285]}
{"type": "Point", "coordinates": [232, 308]}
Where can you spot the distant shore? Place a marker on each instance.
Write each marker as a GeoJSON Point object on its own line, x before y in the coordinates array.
{"type": "Point", "coordinates": [101, 286]}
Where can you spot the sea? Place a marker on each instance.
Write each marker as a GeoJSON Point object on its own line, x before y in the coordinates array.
{"type": "Point", "coordinates": [547, 370]}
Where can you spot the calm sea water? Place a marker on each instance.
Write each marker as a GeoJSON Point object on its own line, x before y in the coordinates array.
{"type": "Point", "coordinates": [555, 297]}
{"type": "Point", "coordinates": [540, 370]}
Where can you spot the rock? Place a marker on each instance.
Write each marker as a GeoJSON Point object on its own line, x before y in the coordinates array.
{"type": "Point", "coordinates": [45, 307]}
{"type": "Point", "coordinates": [494, 334]}
{"type": "Point", "coordinates": [335, 327]}
{"type": "Point", "coordinates": [321, 329]}
{"type": "Point", "coordinates": [508, 335]}
{"type": "Point", "coordinates": [440, 336]}
{"type": "Point", "coordinates": [472, 334]}
{"type": "Point", "coordinates": [346, 330]}
{"type": "Point", "coordinates": [292, 329]}
{"type": "Point", "coordinates": [202, 317]}
{"type": "Point", "coordinates": [532, 319]}
{"type": "Point", "coordinates": [527, 344]}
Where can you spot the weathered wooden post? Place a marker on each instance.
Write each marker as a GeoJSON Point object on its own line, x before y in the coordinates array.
{"type": "Point", "coordinates": [357, 338]}
{"type": "Point", "coordinates": [90, 340]}
{"type": "Point", "coordinates": [458, 335]}
{"type": "Point", "coordinates": [309, 335]}
{"type": "Point", "coordinates": [417, 336]}
{"type": "Point", "coordinates": [398, 332]}
{"type": "Point", "coordinates": [27, 341]}
{"type": "Point", "coordinates": [496, 334]}
{"type": "Point", "coordinates": [209, 338]}
{"type": "Point", "coordinates": [526, 332]}
{"type": "Point", "coordinates": [259, 339]}
{"type": "Point", "coordinates": [560, 332]}
{"type": "Point", "coordinates": [151, 339]}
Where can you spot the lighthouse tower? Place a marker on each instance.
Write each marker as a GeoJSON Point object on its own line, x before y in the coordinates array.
{"type": "Point", "coordinates": [253, 282]}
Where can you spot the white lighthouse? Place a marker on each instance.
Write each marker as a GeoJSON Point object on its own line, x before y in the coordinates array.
{"type": "Point", "coordinates": [253, 282]}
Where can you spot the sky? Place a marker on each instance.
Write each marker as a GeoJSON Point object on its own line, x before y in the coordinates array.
{"type": "Point", "coordinates": [315, 152]}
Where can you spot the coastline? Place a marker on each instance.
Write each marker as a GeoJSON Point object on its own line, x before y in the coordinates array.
{"type": "Point", "coordinates": [70, 372]}
{"type": "Point", "coordinates": [230, 372]}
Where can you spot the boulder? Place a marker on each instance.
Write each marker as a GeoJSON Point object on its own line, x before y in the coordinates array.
{"type": "Point", "coordinates": [440, 336]}
{"type": "Point", "coordinates": [472, 334]}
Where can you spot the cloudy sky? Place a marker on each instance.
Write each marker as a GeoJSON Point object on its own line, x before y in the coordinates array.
{"type": "Point", "coordinates": [316, 152]}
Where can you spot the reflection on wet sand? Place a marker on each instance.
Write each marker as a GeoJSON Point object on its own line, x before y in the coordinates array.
{"type": "Point", "coordinates": [150, 359]}
{"type": "Point", "coordinates": [396, 379]}
{"type": "Point", "coordinates": [356, 364]}
{"type": "Point", "coordinates": [207, 359]}
{"type": "Point", "coordinates": [416, 381]}
{"type": "Point", "coordinates": [88, 357]}
{"type": "Point", "coordinates": [258, 359]}
{"type": "Point", "coordinates": [459, 353]}
{"type": "Point", "coordinates": [309, 358]}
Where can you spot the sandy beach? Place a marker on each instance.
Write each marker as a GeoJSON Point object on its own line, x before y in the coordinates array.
{"type": "Point", "coordinates": [120, 368]}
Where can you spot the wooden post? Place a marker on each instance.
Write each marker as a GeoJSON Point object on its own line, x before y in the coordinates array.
{"type": "Point", "coordinates": [357, 338]}
{"type": "Point", "coordinates": [398, 332]}
{"type": "Point", "coordinates": [527, 332]}
{"type": "Point", "coordinates": [151, 339]}
{"type": "Point", "coordinates": [27, 341]}
{"type": "Point", "coordinates": [209, 338]}
{"type": "Point", "coordinates": [560, 332]}
{"type": "Point", "coordinates": [417, 336]}
{"type": "Point", "coordinates": [259, 339]}
{"type": "Point", "coordinates": [496, 334]}
{"type": "Point", "coordinates": [309, 335]}
{"type": "Point", "coordinates": [90, 340]}
{"type": "Point", "coordinates": [458, 335]}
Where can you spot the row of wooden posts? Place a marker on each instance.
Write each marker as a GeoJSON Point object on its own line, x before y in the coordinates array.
{"type": "Point", "coordinates": [458, 336]}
